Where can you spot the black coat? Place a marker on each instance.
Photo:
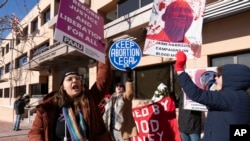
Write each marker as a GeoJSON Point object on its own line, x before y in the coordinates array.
{"type": "Point", "coordinates": [19, 106]}
{"type": "Point", "coordinates": [189, 120]}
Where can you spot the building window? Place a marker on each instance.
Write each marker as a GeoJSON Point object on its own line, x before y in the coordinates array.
{"type": "Point", "coordinates": [126, 6]}
{"type": "Point", "coordinates": [2, 49]}
{"type": "Point", "coordinates": [19, 90]}
{"type": "Point", "coordinates": [1, 71]}
{"type": "Point", "coordinates": [6, 92]}
{"type": "Point", "coordinates": [45, 16]}
{"type": "Point", "coordinates": [34, 25]}
{"type": "Point", "coordinates": [235, 58]}
{"type": "Point", "coordinates": [25, 32]}
{"type": "Point", "coordinates": [145, 2]}
{"type": "Point", "coordinates": [121, 8]}
{"type": "Point", "coordinates": [1, 93]}
{"type": "Point", "coordinates": [148, 78]}
{"type": "Point", "coordinates": [17, 41]}
{"type": "Point", "coordinates": [7, 48]}
{"type": "Point", "coordinates": [8, 67]}
{"type": "Point", "coordinates": [42, 48]}
{"type": "Point", "coordinates": [39, 89]}
{"type": "Point", "coordinates": [57, 3]}
{"type": "Point", "coordinates": [21, 61]}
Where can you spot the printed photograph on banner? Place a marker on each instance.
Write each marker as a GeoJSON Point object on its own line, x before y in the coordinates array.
{"type": "Point", "coordinates": [204, 78]}
{"type": "Point", "coordinates": [173, 26]}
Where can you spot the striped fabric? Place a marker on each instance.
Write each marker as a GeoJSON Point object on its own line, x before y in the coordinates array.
{"type": "Point", "coordinates": [77, 133]}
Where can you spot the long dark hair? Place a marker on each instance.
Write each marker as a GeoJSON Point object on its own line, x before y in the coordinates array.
{"type": "Point", "coordinates": [62, 99]}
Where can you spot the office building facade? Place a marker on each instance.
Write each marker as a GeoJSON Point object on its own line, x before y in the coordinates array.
{"type": "Point", "coordinates": [33, 61]}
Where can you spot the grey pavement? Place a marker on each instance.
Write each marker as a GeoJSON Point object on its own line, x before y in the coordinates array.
{"type": "Point", "coordinates": [7, 133]}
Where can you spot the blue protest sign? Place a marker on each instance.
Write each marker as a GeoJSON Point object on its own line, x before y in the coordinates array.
{"type": "Point", "coordinates": [125, 53]}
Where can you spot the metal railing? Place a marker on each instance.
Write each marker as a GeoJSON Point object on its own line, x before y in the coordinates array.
{"type": "Point", "coordinates": [32, 109]}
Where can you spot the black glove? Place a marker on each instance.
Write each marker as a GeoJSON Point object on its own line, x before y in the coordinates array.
{"type": "Point", "coordinates": [129, 74]}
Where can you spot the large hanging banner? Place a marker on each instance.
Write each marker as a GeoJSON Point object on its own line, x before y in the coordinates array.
{"type": "Point", "coordinates": [175, 25]}
{"type": "Point", "coordinates": [157, 121]}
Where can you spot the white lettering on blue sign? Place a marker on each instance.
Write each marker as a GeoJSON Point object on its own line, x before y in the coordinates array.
{"type": "Point", "coordinates": [125, 53]}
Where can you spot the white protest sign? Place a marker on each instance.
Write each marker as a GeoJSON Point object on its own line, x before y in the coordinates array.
{"type": "Point", "coordinates": [204, 79]}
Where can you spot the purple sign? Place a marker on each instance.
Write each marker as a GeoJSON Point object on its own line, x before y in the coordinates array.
{"type": "Point", "coordinates": [81, 28]}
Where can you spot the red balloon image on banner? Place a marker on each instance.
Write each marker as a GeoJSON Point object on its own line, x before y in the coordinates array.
{"type": "Point", "coordinates": [157, 121]}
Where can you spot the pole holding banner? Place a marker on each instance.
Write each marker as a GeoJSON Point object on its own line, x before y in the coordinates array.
{"type": "Point", "coordinates": [125, 53]}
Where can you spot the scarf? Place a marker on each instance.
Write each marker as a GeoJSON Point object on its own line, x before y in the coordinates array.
{"type": "Point", "coordinates": [76, 131]}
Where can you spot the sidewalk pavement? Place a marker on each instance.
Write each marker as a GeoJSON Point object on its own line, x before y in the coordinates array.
{"type": "Point", "coordinates": [7, 133]}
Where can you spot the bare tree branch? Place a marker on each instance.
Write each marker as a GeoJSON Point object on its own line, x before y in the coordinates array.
{"type": "Point", "coordinates": [2, 4]}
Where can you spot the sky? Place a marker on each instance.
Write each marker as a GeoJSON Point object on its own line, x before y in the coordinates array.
{"type": "Point", "coordinates": [20, 8]}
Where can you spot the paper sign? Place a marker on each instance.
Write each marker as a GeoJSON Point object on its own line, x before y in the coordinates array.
{"type": "Point", "coordinates": [204, 79]}
{"type": "Point", "coordinates": [81, 28]}
{"type": "Point", "coordinates": [173, 26]}
{"type": "Point", "coordinates": [125, 53]}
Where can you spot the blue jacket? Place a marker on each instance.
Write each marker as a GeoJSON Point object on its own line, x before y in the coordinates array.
{"type": "Point", "coordinates": [230, 105]}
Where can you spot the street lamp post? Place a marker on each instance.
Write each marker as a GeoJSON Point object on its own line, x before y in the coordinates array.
{"type": "Point", "coordinates": [11, 68]}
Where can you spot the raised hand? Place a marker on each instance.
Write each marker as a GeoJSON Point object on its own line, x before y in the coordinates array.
{"type": "Point", "coordinates": [181, 59]}
{"type": "Point", "coordinates": [106, 44]}
{"type": "Point", "coordinates": [129, 74]}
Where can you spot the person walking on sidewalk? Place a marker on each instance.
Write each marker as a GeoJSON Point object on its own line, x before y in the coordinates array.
{"type": "Point", "coordinates": [19, 105]}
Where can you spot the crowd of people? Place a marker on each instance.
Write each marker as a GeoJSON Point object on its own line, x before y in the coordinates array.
{"type": "Point", "coordinates": [74, 112]}
{"type": "Point", "coordinates": [77, 113]}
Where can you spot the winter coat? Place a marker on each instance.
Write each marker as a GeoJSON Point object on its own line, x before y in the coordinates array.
{"type": "Point", "coordinates": [43, 128]}
{"type": "Point", "coordinates": [124, 118]}
{"type": "Point", "coordinates": [189, 120]}
{"type": "Point", "coordinates": [19, 106]}
{"type": "Point", "coordinates": [230, 105]}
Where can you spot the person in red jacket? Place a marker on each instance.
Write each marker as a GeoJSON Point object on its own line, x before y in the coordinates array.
{"type": "Point", "coordinates": [72, 113]}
